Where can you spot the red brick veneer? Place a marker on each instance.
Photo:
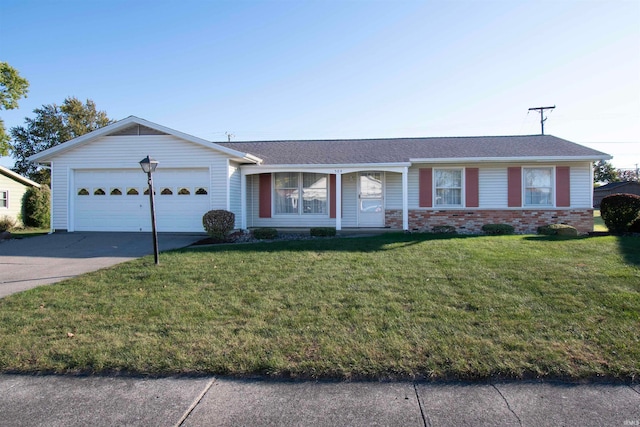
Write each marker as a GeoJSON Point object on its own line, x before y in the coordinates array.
{"type": "Point", "coordinates": [471, 221]}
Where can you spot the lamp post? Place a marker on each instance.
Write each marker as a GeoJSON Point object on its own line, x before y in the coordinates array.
{"type": "Point", "coordinates": [149, 166]}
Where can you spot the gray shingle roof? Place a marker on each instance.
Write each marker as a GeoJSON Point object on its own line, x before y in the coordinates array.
{"type": "Point", "coordinates": [355, 151]}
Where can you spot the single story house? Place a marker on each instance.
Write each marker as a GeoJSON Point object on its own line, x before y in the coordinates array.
{"type": "Point", "coordinates": [628, 187]}
{"type": "Point", "coordinates": [12, 189]}
{"type": "Point", "coordinates": [404, 183]}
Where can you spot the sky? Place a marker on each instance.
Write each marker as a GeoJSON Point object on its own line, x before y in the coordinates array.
{"type": "Point", "coordinates": [272, 70]}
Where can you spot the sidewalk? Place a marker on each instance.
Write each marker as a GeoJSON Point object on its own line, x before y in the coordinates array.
{"type": "Point", "coordinates": [109, 401]}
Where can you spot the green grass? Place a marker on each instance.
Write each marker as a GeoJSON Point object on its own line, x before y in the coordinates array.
{"type": "Point", "coordinates": [392, 306]}
{"type": "Point", "coordinates": [598, 223]}
{"type": "Point", "coordinates": [21, 233]}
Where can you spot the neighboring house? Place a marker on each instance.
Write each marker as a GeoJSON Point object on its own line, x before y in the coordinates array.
{"type": "Point", "coordinates": [405, 184]}
{"type": "Point", "coordinates": [629, 187]}
{"type": "Point", "coordinates": [12, 189]}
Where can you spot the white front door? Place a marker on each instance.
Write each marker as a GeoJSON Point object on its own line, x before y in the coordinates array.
{"type": "Point", "coordinates": [370, 200]}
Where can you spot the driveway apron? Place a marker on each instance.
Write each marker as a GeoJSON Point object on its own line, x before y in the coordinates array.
{"type": "Point", "coordinates": [30, 262]}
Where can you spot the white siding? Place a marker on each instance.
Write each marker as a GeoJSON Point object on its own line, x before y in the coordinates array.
{"type": "Point", "coordinates": [115, 152]}
{"type": "Point", "coordinates": [15, 192]}
{"type": "Point", "coordinates": [393, 190]}
{"type": "Point", "coordinates": [581, 186]}
{"type": "Point", "coordinates": [493, 187]}
{"type": "Point", "coordinates": [350, 200]}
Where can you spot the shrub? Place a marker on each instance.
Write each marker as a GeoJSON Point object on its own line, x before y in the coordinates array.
{"type": "Point", "coordinates": [634, 227]}
{"type": "Point", "coordinates": [498, 229]}
{"type": "Point", "coordinates": [618, 211]}
{"type": "Point", "coordinates": [265, 233]}
{"type": "Point", "coordinates": [322, 231]}
{"type": "Point", "coordinates": [7, 223]}
{"type": "Point", "coordinates": [218, 223]}
{"type": "Point", "coordinates": [444, 229]}
{"type": "Point", "coordinates": [36, 207]}
{"type": "Point", "coordinates": [557, 230]}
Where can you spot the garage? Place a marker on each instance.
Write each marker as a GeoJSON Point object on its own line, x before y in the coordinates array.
{"type": "Point", "coordinates": [118, 200]}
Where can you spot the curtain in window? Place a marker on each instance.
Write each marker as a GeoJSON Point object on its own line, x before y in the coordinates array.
{"type": "Point", "coordinates": [287, 193]}
{"type": "Point", "coordinates": [314, 193]}
{"type": "Point", "coordinates": [448, 186]}
{"type": "Point", "coordinates": [537, 186]}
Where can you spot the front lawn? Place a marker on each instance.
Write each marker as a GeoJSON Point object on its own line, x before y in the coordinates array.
{"type": "Point", "coordinates": [392, 306]}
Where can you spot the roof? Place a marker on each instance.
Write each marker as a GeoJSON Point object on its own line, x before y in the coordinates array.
{"type": "Point", "coordinates": [17, 177]}
{"type": "Point", "coordinates": [402, 150]}
{"type": "Point", "coordinates": [613, 185]}
{"type": "Point", "coordinates": [120, 125]}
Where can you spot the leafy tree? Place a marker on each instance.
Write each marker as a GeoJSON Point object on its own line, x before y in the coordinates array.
{"type": "Point", "coordinates": [12, 88]}
{"type": "Point", "coordinates": [604, 171]}
{"type": "Point", "coordinates": [36, 207]}
{"type": "Point", "coordinates": [53, 125]}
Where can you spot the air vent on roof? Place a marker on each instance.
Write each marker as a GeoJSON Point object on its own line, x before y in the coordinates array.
{"type": "Point", "coordinates": [136, 129]}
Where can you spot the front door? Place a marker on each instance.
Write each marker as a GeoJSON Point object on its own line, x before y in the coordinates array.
{"type": "Point", "coordinates": [370, 200]}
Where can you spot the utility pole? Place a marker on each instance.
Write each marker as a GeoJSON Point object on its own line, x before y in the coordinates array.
{"type": "Point", "coordinates": [542, 118]}
{"type": "Point", "coordinates": [229, 136]}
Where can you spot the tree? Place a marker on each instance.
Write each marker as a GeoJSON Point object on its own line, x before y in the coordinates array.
{"type": "Point", "coordinates": [604, 171]}
{"type": "Point", "coordinates": [53, 125]}
{"type": "Point", "coordinates": [12, 88]}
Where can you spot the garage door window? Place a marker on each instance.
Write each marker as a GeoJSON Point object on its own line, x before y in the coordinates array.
{"type": "Point", "coordinates": [166, 191]}
{"type": "Point", "coordinates": [99, 192]}
{"type": "Point", "coordinates": [132, 192]}
{"type": "Point", "coordinates": [116, 192]}
{"type": "Point", "coordinates": [201, 191]}
{"type": "Point", "coordinates": [184, 192]}
{"type": "Point", "coordinates": [83, 192]}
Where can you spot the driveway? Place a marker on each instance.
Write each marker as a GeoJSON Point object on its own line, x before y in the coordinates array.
{"type": "Point", "coordinates": [27, 263]}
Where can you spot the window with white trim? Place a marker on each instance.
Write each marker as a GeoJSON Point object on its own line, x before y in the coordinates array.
{"type": "Point", "coordinates": [538, 186]}
{"type": "Point", "coordinates": [448, 187]}
{"type": "Point", "coordinates": [4, 199]}
{"type": "Point", "coordinates": [300, 193]}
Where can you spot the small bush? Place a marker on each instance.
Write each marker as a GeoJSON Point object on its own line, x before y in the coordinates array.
{"type": "Point", "coordinates": [7, 223]}
{"type": "Point", "coordinates": [322, 231]}
{"type": "Point", "coordinates": [36, 207]}
{"type": "Point", "coordinates": [634, 227]}
{"type": "Point", "coordinates": [265, 233]}
{"type": "Point", "coordinates": [557, 230]}
{"type": "Point", "coordinates": [444, 229]}
{"type": "Point", "coordinates": [618, 211]}
{"type": "Point", "coordinates": [498, 229]}
{"type": "Point", "coordinates": [218, 223]}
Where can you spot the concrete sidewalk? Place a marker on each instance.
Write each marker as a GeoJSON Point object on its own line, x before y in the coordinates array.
{"type": "Point", "coordinates": [108, 401]}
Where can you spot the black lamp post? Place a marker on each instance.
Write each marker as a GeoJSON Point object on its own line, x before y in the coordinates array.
{"type": "Point", "coordinates": [149, 166]}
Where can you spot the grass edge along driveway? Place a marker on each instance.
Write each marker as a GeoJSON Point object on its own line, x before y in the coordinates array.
{"type": "Point", "coordinates": [388, 307]}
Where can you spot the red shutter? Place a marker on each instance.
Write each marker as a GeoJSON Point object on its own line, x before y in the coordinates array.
{"type": "Point", "coordinates": [425, 185]}
{"type": "Point", "coordinates": [332, 195]}
{"type": "Point", "coordinates": [563, 195]}
{"type": "Point", "coordinates": [472, 187]}
{"type": "Point", "coordinates": [265, 196]}
{"type": "Point", "coordinates": [514, 191]}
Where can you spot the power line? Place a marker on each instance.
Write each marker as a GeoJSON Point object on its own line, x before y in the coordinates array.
{"type": "Point", "coordinates": [542, 118]}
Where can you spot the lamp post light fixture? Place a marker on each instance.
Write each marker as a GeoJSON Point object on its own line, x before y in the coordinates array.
{"type": "Point", "coordinates": [149, 166]}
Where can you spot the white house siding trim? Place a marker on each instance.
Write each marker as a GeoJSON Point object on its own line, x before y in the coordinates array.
{"type": "Point", "coordinates": [235, 192]}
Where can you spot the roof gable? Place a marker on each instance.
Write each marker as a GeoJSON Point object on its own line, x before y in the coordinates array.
{"type": "Point", "coordinates": [136, 126]}
{"type": "Point", "coordinates": [17, 177]}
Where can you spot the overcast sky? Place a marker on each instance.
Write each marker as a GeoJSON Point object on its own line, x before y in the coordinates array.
{"type": "Point", "coordinates": [265, 70]}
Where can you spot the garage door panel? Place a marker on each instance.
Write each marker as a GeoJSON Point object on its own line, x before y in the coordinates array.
{"type": "Point", "coordinates": [115, 200]}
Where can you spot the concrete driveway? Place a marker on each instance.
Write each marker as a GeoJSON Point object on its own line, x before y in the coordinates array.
{"type": "Point", "coordinates": [27, 263]}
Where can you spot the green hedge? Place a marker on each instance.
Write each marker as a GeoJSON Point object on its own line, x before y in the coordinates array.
{"type": "Point", "coordinates": [498, 229]}
{"type": "Point", "coordinates": [557, 230]}
{"type": "Point", "coordinates": [322, 231]}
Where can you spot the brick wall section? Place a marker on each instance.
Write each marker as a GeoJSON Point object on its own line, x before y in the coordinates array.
{"type": "Point", "coordinates": [471, 221]}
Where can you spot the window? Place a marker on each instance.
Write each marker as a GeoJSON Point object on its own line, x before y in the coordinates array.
{"type": "Point", "coordinates": [99, 192]}
{"type": "Point", "coordinates": [83, 192]}
{"type": "Point", "coordinates": [538, 187]}
{"type": "Point", "coordinates": [166, 191]}
{"type": "Point", "coordinates": [201, 191]}
{"type": "Point", "coordinates": [448, 184]}
{"type": "Point", "coordinates": [132, 192]}
{"type": "Point", "coordinates": [4, 199]}
{"type": "Point", "coordinates": [289, 186]}
{"type": "Point", "coordinates": [116, 192]}
{"type": "Point", "coordinates": [184, 192]}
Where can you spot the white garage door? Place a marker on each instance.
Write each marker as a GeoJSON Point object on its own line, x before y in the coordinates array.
{"type": "Point", "coordinates": [118, 200]}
